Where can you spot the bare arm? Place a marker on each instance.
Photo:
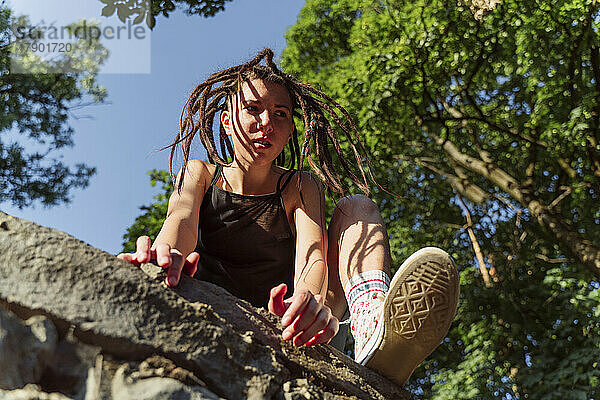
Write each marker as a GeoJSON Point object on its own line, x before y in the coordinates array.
{"type": "Point", "coordinates": [180, 229]}
{"type": "Point", "coordinates": [174, 246]}
{"type": "Point", "coordinates": [306, 317]}
{"type": "Point", "coordinates": [311, 238]}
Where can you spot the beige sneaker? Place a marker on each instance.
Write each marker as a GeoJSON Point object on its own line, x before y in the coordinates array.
{"type": "Point", "coordinates": [415, 316]}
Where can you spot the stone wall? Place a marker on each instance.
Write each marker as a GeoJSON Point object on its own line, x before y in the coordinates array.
{"type": "Point", "coordinates": [78, 323]}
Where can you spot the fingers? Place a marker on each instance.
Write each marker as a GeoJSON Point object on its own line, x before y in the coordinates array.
{"type": "Point", "coordinates": [129, 257]}
{"type": "Point", "coordinates": [298, 303]}
{"type": "Point", "coordinates": [276, 303]}
{"type": "Point", "coordinates": [143, 253]}
{"type": "Point", "coordinates": [191, 264]}
{"type": "Point", "coordinates": [303, 311]}
{"type": "Point", "coordinates": [308, 320]}
{"type": "Point", "coordinates": [163, 255]}
{"type": "Point", "coordinates": [175, 268]}
{"type": "Point", "coordinates": [314, 327]}
{"type": "Point", "coordinates": [326, 334]}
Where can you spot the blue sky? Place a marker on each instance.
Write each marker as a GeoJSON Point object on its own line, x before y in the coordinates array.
{"type": "Point", "coordinates": [142, 111]}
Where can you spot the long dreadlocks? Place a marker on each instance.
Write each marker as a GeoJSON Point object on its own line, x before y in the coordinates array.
{"type": "Point", "coordinates": [310, 104]}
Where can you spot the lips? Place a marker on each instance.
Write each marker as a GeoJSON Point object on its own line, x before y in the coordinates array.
{"type": "Point", "coordinates": [261, 143]}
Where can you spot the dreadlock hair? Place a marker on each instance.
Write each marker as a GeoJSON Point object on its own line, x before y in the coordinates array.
{"type": "Point", "coordinates": [310, 104]}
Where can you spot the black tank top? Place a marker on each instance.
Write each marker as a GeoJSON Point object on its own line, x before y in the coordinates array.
{"type": "Point", "coordinates": [245, 242]}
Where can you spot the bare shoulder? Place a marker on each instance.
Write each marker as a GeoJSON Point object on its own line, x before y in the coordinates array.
{"type": "Point", "coordinates": [196, 180]}
{"type": "Point", "coordinates": [310, 182]}
{"type": "Point", "coordinates": [197, 172]}
{"type": "Point", "coordinates": [199, 167]}
{"type": "Point", "coordinates": [305, 190]}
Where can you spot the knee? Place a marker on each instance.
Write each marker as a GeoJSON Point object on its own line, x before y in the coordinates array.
{"type": "Point", "coordinates": [356, 207]}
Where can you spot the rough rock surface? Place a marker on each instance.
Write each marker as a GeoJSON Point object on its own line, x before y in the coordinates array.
{"type": "Point", "coordinates": [25, 348]}
{"type": "Point", "coordinates": [30, 392]}
{"type": "Point", "coordinates": [131, 387]}
{"type": "Point", "coordinates": [213, 343]}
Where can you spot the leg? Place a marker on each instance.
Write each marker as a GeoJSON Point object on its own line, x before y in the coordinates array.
{"type": "Point", "coordinates": [394, 330]}
{"type": "Point", "coordinates": [358, 242]}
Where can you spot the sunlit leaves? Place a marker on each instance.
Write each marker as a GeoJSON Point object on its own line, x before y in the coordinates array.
{"type": "Point", "coordinates": [517, 90]}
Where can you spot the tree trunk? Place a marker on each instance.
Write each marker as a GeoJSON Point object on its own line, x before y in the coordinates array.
{"type": "Point", "coordinates": [579, 247]}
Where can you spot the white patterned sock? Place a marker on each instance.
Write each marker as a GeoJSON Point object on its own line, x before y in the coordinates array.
{"type": "Point", "coordinates": [365, 293]}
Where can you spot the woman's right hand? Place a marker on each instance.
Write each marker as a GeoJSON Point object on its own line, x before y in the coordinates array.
{"type": "Point", "coordinates": [164, 256]}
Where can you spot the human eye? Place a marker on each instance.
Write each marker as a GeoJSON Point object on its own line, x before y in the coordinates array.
{"type": "Point", "coordinates": [251, 108]}
{"type": "Point", "coordinates": [281, 113]}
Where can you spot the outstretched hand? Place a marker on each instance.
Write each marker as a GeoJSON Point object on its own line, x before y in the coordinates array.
{"type": "Point", "coordinates": [164, 256]}
{"type": "Point", "coordinates": [305, 316]}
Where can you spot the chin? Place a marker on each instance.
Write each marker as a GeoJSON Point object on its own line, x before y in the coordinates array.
{"type": "Point", "coordinates": [260, 159]}
{"type": "Point", "coordinates": [263, 161]}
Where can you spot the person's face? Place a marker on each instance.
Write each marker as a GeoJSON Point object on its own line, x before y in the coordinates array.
{"type": "Point", "coordinates": [259, 121]}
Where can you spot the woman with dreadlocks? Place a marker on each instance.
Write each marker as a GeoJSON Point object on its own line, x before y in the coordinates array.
{"type": "Point", "coordinates": [255, 225]}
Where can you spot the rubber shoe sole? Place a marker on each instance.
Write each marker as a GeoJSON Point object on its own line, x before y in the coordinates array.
{"type": "Point", "coordinates": [416, 315]}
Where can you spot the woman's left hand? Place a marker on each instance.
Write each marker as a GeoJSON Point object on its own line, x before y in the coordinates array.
{"type": "Point", "coordinates": [305, 316]}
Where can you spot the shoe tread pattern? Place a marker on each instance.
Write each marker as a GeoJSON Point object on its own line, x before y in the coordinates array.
{"type": "Point", "coordinates": [425, 302]}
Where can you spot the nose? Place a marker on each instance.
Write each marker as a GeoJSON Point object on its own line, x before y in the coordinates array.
{"type": "Point", "coordinates": [264, 122]}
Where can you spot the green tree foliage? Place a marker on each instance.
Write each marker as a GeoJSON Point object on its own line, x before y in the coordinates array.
{"type": "Point", "coordinates": [150, 222]}
{"type": "Point", "coordinates": [147, 10]}
{"type": "Point", "coordinates": [489, 125]}
{"type": "Point", "coordinates": [35, 107]}
{"type": "Point", "coordinates": [497, 120]}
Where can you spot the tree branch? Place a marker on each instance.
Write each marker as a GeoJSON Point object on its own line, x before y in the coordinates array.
{"type": "Point", "coordinates": [458, 183]}
{"type": "Point", "coordinates": [559, 198]}
{"type": "Point", "coordinates": [552, 260]}
{"type": "Point", "coordinates": [482, 268]}
{"type": "Point", "coordinates": [583, 250]}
